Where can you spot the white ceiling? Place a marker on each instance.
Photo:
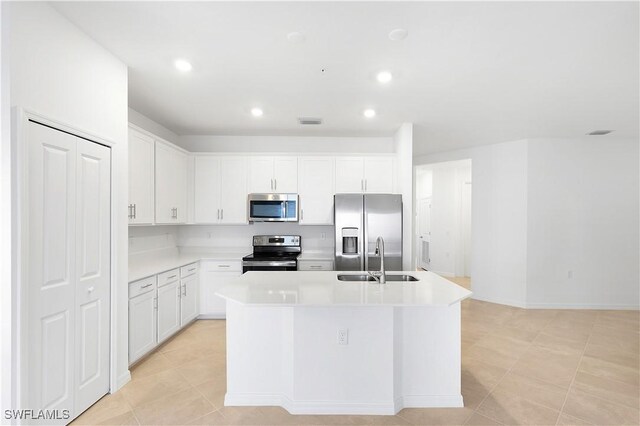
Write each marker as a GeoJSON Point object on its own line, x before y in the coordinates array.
{"type": "Point", "coordinates": [467, 74]}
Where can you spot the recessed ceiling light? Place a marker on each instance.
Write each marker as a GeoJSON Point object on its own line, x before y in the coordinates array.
{"type": "Point", "coordinates": [384, 77]}
{"type": "Point", "coordinates": [369, 113]}
{"type": "Point", "coordinates": [296, 37]}
{"type": "Point", "coordinates": [398, 34]}
{"type": "Point", "coordinates": [599, 132]}
{"type": "Point", "coordinates": [182, 65]}
{"type": "Point", "coordinates": [256, 112]}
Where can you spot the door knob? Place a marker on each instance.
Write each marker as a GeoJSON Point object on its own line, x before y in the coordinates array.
{"type": "Point", "coordinates": [90, 289]}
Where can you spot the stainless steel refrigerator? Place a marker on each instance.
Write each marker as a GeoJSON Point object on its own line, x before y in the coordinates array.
{"type": "Point", "coordinates": [359, 220]}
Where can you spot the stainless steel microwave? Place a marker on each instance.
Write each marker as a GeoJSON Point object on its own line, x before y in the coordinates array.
{"type": "Point", "coordinates": [272, 207]}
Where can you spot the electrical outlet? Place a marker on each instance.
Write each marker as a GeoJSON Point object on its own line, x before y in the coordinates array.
{"type": "Point", "coordinates": [343, 336]}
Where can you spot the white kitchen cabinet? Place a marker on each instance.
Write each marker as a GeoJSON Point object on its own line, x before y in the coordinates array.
{"type": "Point", "coordinates": [315, 265]}
{"type": "Point", "coordinates": [364, 174]}
{"type": "Point", "coordinates": [171, 184]}
{"type": "Point", "coordinates": [142, 325]}
{"type": "Point", "coordinates": [189, 308]}
{"type": "Point", "coordinates": [215, 275]}
{"type": "Point", "coordinates": [273, 175]}
{"type": "Point", "coordinates": [141, 178]}
{"type": "Point", "coordinates": [316, 184]}
{"type": "Point", "coordinates": [168, 310]}
{"type": "Point", "coordinates": [220, 186]}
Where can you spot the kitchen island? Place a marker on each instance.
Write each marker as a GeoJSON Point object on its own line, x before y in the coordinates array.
{"type": "Point", "coordinates": [313, 344]}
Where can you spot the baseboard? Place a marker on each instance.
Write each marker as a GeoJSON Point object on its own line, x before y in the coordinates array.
{"type": "Point", "coordinates": [325, 407]}
{"type": "Point", "coordinates": [122, 380]}
{"type": "Point", "coordinates": [582, 306]}
{"type": "Point", "coordinates": [212, 316]}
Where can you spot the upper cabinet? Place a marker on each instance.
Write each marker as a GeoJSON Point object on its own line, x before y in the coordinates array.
{"type": "Point", "coordinates": [220, 190]}
{"type": "Point", "coordinates": [273, 175]}
{"type": "Point", "coordinates": [316, 189]}
{"type": "Point", "coordinates": [171, 184]}
{"type": "Point", "coordinates": [364, 174]}
{"type": "Point", "coordinates": [141, 178]}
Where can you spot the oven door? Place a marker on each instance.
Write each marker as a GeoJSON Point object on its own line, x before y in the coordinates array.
{"type": "Point", "coordinates": [269, 265]}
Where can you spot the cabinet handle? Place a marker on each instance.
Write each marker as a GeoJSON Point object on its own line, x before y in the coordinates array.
{"type": "Point", "coordinates": [135, 211]}
{"type": "Point", "coordinates": [130, 215]}
{"type": "Point", "coordinates": [224, 266]}
{"type": "Point", "coordinates": [365, 184]}
{"type": "Point", "coordinates": [192, 269]}
{"type": "Point", "coordinates": [301, 214]}
{"type": "Point", "coordinates": [315, 266]}
{"type": "Point", "coordinates": [155, 303]}
{"type": "Point", "coordinates": [271, 184]}
{"type": "Point", "coordinates": [221, 214]}
{"type": "Point", "coordinates": [218, 216]}
{"type": "Point", "coordinates": [148, 285]}
{"type": "Point", "coordinates": [172, 276]}
{"type": "Point", "coordinates": [275, 184]}
{"type": "Point", "coordinates": [176, 212]}
{"type": "Point", "coordinates": [184, 290]}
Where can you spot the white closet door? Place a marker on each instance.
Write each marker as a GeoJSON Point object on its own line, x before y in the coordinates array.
{"type": "Point", "coordinates": [51, 280]}
{"type": "Point", "coordinates": [93, 229]}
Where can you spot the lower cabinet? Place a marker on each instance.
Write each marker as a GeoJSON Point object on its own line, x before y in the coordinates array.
{"type": "Point", "coordinates": [159, 306]}
{"type": "Point", "coordinates": [142, 324]}
{"type": "Point", "coordinates": [315, 265]}
{"type": "Point", "coordinates": [188, 299]}
{"type": "Point", "coordinates": [168, 310]}
{"type": "Point", "coordinates": [215, 275]}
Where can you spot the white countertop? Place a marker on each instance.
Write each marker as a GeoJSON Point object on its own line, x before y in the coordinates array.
{"type": "Point", "coordinates": [322, 288]}
{"type": "Point", "coordinates": [152, 263]}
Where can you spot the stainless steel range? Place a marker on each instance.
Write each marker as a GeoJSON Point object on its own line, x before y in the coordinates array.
{"type": "Point", "coordinates": [273, 253]}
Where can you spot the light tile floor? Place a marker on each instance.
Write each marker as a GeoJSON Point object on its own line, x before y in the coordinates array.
{"type": "Point", "coordinates": [542, 367]}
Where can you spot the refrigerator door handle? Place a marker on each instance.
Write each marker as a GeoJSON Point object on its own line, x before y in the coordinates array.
{"type": "Point", "coordinates": [365, 241]}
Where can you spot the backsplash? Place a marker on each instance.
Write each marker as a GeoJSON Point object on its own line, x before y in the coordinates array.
{"type": "Point", "coordinates": [314, 238]}
{"type": "Point", "coordinates": [146, 238]}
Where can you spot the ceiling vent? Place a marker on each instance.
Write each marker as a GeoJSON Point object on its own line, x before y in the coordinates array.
{"type": "Point", "coordinates": [309, 120]}
{"type": "Point", "coordinates": [599, 132]}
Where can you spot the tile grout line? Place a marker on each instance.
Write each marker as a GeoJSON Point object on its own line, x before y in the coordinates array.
{"type": "Point", "coordinates": [566, 397]}
{"type": "Point", "coordinates": [509, 371]}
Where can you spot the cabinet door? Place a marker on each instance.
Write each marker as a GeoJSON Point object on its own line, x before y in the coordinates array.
{"type": "Point", "coordinates": [142, 325]}
{"type": "Point", "coordinates": [180, 186]}
{"type": "Point", "coordinates": [261, 175]}
{"type": "Point", "coordinates": [233, 191]}
{"type": "Point", "coordinates": [207, 190]}
{"type": "Point", "coordinates": [141, 177]}
{"type": "Point", "coordinates": [349, 175]}
{"type": "Point", "coordinates": [285, 174]}
{"type": "Point", "coordinates": [165, 183]}
{"type": "Point", "coordinates": [168, 310]}
{"type": "Point", "coordinates": [188, 299]}
{"type": "Point", "coordinates": [316, 188]}
{"type": "Point", "coordinates": [378, 175]}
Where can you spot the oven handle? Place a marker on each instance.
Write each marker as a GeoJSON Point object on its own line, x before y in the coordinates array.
{"type": "Point", "coordinates": [271, 263]}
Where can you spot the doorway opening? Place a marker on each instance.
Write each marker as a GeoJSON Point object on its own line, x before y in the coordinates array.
{"type": "Point", "coordinates": [443, 220]}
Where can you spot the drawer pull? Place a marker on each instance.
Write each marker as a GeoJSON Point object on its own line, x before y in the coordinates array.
{"type": "Point", "coordinates": [315, 266]}
{"type": "Point", "coordinates": [224, 266]}
{"type": "Point", "coordinates": [172, 276]}
{"type": "Point", "coordinates": [192, 269]}
{"type": "Point", "coordinates": [148, 285]}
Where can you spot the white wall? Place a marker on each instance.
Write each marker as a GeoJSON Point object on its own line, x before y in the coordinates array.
{"type": "Point", "coordinates": [295, 144]}
{"type": "Point", "coordinates": [6, 231]}
{"type": "Point", "coordinates": [498, 219]}
{"type": "Point", "coordinates": [583, 223]}
{"type": "Point", "coordinates": [59, 72]}
{"type": "Point", "coordinates": [403, 146]}
{"type": "Point", "coordinates": [544, 207]}
{"type": "Point", "coordinates": [151, 126]}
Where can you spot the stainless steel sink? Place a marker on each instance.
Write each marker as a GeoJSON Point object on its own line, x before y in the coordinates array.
{"type": "Point", "coordinates": [369, 278]}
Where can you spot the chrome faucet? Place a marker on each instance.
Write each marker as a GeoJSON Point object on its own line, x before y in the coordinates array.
{"type": "Point", "coordinates": [381, 275]}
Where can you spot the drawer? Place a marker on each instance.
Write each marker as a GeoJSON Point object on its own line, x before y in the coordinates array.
{"type": "Point", "coordinates": [189, 269]}
{"type": "Point", "coordinates": [221, 266]}
{"type": "Point", "coordinates": [315, 265]}
{"type": "Point", "coordinates": [143, 286]}
{"type": "Point", "coordinates": [168, 277]}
